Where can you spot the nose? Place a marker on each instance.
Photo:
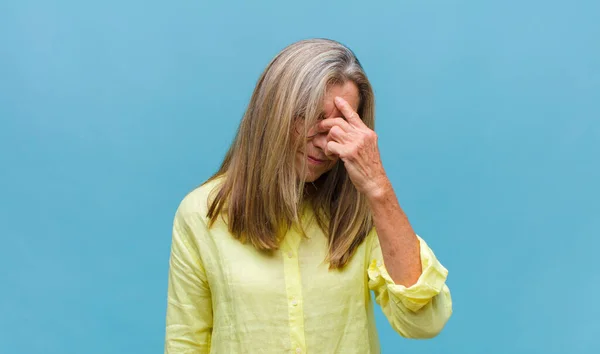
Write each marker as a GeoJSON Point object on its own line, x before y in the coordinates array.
{"type": "Point", "coordinates": [320, 141]}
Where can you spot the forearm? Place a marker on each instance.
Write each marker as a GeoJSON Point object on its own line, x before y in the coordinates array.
{"type": "Point", "coordinates": [399, 243]}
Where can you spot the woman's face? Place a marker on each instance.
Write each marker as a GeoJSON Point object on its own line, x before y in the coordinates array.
{"type": "Point", "coordinates": [317, 162]}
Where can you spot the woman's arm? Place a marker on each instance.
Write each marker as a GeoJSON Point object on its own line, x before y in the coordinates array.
{"type": "Point", "coordinates": [356, 145]}
{"type": "Point", "coordinates": [399, 243]}
{"type": "Point", "coordinates": [189, 307]}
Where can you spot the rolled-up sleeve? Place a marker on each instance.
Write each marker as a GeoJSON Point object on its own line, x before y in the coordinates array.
{"type": "Point", "coordinates": [418, 311]}
{"type": "Point", "coordinates": [189, 317]}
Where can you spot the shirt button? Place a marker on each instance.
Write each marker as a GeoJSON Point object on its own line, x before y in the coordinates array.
{"type": "Point", "coordinates": [294, 302]}
{"type": "Point", "coordinates": [298, 350]}
{"type": "Point", "coordinates": [290, 254]}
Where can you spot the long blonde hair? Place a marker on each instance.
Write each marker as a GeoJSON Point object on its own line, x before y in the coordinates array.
{"type": "Point", "coordinates": [262, 191]}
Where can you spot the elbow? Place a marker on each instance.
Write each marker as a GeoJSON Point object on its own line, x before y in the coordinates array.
{"type": "Point", "coordinates": [424, 329]}
{"type": "Point", "coordinates": [430, 331]}
{"type": "Point", "coordinates": [427, 322]}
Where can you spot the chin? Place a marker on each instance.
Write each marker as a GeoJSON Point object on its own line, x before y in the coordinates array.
{"type": "Point", "coordinates": [313, 173]}
{"type": "Point", "coordinates": [310, 178]}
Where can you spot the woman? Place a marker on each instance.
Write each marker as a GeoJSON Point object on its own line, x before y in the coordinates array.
{"type": "Point", "coordinates": [278, 251]}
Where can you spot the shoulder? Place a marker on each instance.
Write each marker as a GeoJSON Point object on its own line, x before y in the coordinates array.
{"type": "Point", "coordinates": [196, 202]}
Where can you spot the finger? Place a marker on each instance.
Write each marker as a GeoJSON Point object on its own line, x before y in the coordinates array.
{"type": "Point", "coordinates": [344, 107]}
{"type": "Point", "coordinates": [334, 149]}
{"type": "Point", "coordinates": [337, 134]}
{"type": "Point", "coordinates": [329, 123]}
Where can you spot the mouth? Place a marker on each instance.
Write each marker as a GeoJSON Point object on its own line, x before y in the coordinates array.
{"type": "Point", "coordinates": [315, 161]}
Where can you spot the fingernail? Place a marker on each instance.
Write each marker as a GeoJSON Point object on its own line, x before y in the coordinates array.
{"type": "Point", "coordinates": [338, 100]}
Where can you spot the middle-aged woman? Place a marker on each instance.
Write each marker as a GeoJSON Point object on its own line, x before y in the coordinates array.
{"type": "Point", "coordinates": [279, 250]}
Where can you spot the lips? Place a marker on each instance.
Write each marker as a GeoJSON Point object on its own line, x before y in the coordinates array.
{"type": "Point", "coordinates": [315, 160]}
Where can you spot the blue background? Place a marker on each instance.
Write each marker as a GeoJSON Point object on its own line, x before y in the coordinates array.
{"type": "Point", "coordinates": [489, 125]}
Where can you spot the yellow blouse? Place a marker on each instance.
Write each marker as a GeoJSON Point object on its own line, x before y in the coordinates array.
{"type": "Point", "coordinates": [227, 297]}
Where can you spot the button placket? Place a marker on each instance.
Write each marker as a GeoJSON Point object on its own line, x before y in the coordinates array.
{"type": "Point", "coordinates": [294, 290]}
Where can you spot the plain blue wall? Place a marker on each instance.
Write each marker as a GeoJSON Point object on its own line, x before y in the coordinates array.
{"type": "Point", "coordinates": [489, 125]}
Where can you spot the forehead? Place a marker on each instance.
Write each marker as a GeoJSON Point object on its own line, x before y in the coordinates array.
{"type": "Point", "coordinates": [347, 91]}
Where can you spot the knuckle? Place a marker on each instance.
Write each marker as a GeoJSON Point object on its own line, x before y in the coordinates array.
{"type": "Point", "coordinates": [370, 135]}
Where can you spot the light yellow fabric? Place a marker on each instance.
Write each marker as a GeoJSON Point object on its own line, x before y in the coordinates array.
{"type": "Point", "coordinates": [226, 297]}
